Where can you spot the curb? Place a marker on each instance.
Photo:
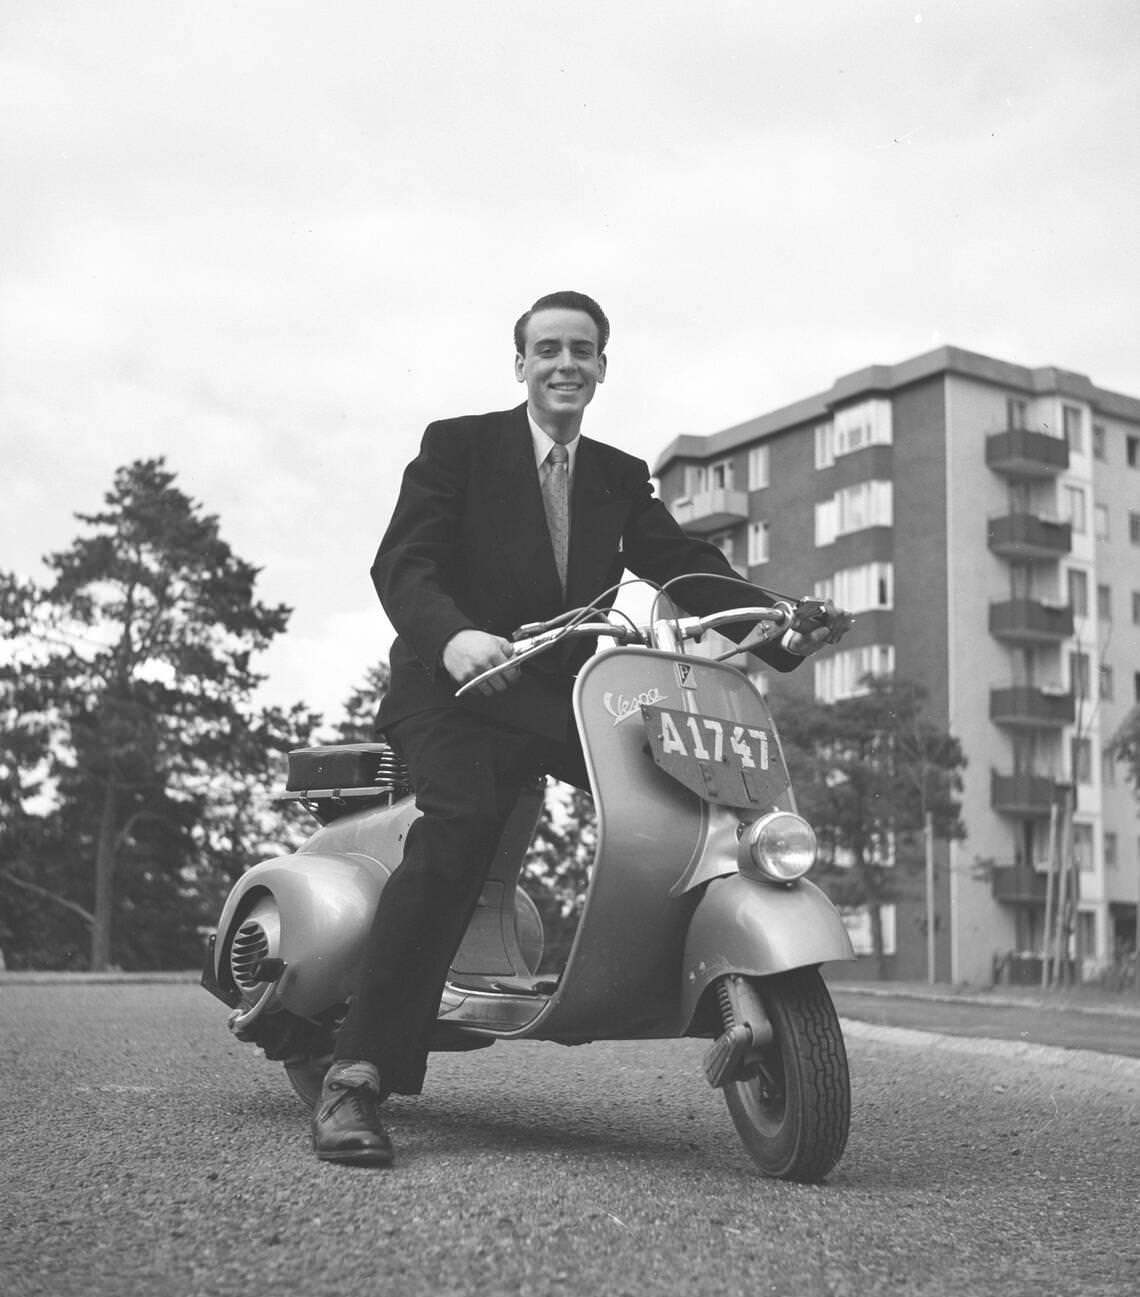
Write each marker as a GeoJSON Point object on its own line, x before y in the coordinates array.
{"type": "Point", "coordinates": [1126, 1010]}
{"type": "Point", "coordinates": [1079, 1060]}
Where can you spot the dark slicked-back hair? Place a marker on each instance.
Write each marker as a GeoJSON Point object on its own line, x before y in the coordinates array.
{"type": "Point", "coordinates": [564, 301]}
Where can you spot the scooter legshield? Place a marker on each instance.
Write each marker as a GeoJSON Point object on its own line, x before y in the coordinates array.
{"type": "Point", "coordinates": [748, 927]}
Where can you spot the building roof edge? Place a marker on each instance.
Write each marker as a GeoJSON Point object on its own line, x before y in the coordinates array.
{"type": "Point", "coordinates": [889, 378]}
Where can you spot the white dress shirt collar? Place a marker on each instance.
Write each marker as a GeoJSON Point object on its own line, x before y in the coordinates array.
{"type": "Point", "coordinates": [543, 442]}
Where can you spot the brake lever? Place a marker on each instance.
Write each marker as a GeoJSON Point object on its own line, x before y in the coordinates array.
{"type": "Point", "coordinates": [536, 646]}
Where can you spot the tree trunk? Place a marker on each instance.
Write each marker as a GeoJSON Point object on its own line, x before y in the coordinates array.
{"type": "Point", "coordinates": [105, 852]}
{"type": "Point", "coordinates": [876, 912]}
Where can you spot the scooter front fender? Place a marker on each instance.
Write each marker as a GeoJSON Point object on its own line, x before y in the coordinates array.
{"type": "Point", "coordinates": [325, 904]}
{"type": "Point", "coordinates": [744, 926]}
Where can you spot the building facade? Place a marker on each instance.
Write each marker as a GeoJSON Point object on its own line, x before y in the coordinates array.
{"type": "Point", "coordinates": [982, 519]}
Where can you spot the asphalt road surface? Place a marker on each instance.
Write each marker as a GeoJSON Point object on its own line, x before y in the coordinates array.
{"type": "Point", "coordinates": [146, 1152]}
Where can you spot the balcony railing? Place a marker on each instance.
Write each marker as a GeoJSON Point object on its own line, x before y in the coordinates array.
{"type": "Point", "coordinates": [1018, 885]}
{"type": "Point", "coordinates": [710, 511]}
{"type": "Point", "coordinates": [1026, 538]}
{"type": "Point", "coordinates": [1023, 706]}
{"type": "Point", "coordinates": [1021, 452]}
{"type": "Point", "coordinates": [1028, 621]}
{"type": "Point", "coordinates": [1025, 796]}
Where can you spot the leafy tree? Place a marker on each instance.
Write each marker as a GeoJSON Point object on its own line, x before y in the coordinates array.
{"type": "Point", "coordinates": [557, 868]}
{"type": "Point", "coordinates": [1124, 746]}
{"type": "Point", "coordinates": [866, 771]}
{"type": "Point", "coordinates": [358, 724]}
{"type": "Point", "coordinates": [132, 681]}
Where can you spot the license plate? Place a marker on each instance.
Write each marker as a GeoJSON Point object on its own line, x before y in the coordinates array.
{"type": "Point", "coordinates": [720, 760]}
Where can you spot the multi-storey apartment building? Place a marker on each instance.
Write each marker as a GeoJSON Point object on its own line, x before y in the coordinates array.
{"type": "Point", "coordinates": [983, 521]}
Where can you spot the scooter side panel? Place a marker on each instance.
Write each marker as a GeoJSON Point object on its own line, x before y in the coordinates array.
{"type": "Point", "coordinates": [326, 904]}
{"type": "Point", "coordinates": [748, 927]}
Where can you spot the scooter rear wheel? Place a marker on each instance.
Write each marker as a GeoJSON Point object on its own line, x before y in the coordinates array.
{"type": "Point", "coordinates": [794, 1117]}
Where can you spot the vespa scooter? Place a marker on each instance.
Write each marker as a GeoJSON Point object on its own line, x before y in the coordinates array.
{"type": "Point", "coordinates": [698, 920]}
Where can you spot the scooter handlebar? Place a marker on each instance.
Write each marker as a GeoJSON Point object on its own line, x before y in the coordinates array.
{"type": "Point", "coordinates": [530, 640]}
{"type": "Point", "coordinates": [778, 615]}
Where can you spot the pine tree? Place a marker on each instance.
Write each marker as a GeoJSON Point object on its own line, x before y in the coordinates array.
{"type": "Point", "coordinates": [132, 680]}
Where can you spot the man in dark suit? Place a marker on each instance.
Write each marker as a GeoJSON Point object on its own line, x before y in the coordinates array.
{"type": "Point", "coordinates": [496, 525]}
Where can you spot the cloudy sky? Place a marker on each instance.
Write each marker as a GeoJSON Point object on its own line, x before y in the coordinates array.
{"type": "Point", "coordinates": [272, 239]}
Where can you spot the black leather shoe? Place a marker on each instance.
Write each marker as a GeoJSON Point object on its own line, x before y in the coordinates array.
{"type": "Point", "coordinates": [346, 1122]}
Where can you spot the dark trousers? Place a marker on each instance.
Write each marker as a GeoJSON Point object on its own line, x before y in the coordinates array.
{"type": "Point", "coordinates": [466, 773]}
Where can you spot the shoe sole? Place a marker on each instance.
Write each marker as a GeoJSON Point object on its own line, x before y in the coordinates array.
{"type": "Point", "coordinates": [358, 1157]}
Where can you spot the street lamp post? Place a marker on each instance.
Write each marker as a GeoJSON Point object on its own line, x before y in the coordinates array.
{"type": "Point", "coordinates": [928, 834]}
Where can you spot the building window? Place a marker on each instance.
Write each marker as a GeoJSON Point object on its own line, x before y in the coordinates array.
{"type": "Point", "coordinates": [857, 921]}
{"type": "Point", "coordinates": [1015, 412]}
{"type": "Point", "coordinates": [721, 475]}
{"type": "Point", "coordinates": [1081, 760]}
{"type": "Point", "coordinates": [860, 589]}
{"type": "Point", "coordinates": [1098, 441]}
{"type": "Point", "coordinates": [842, 675]}
{"type": "Point", "coordinates": [1111, 855]}
{"type": "Point", "coordinates": [1136, 686]}
{"type": "Point", "coordinates": [1100, 521]}
{"type": "Point", "coordinates": [1071, 424]}
{"type": "Point", "coordinates": [1083, 846]}
{"type": "Point", "coordinates": [1074, 506]}
{"type": "Point", "coordinates": [758, 468]}
{"type": "Point", "coordinates": [1136, 607]}
{"type": "Point", "coordinates": [758, 541]}
{"type": "Point", "coordinates": [824, 445]}
{"type": "Point", "coordinates": [1107, 768]}
{"type": "Point", "coordinates": [1103, 603]}
{"type": "Point", "coordinates": [866, 504]}
{"type": "Point", "coordinates": [1079, 674]}
{"type": "Point", "coordinates": [1078, 592]}
{"type": "Point", "coordinates": [700, 478]}
{"type": "Point", "coordinates": [1134, 528]}
{"type": "Point", "coordinates": [1132, 451]}
{"type": "Point", "coordinates": [1107, 684]}
{"type": "Point", "coordinates": [865, 424]}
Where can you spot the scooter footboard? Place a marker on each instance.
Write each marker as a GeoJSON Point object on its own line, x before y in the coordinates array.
{"type": "Point", "coordinates": [747, 927]}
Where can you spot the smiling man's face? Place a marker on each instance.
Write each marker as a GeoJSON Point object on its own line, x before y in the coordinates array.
{"type": "Point", "coordinates": [561, 368]}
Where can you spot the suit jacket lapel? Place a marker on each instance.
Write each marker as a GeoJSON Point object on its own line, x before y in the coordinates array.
{"type": "Point", "coordinates": [597, 515]}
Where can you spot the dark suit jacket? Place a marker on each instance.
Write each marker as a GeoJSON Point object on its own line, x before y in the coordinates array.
{"type": "Point", "coordinates": [468, 546]}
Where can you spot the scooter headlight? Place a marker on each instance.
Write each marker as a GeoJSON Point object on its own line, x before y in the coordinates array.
{"type": "Point", "coordinates": [779, 847]}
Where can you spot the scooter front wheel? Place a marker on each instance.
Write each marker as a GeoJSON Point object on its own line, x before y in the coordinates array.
{"type": "Point", "coordinates": [793, 1115]}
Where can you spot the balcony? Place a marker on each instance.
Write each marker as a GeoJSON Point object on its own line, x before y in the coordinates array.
{"type": "Point", "coordinates": [710, 511]}
{"type": "Point", "coordinates": [1026, 538]}
{"type": "Point", "coordinates": [1021, 452]}
{"type": "Point", "coordinates": [1017, 885]}
{"type": "Point", "coordinates": [1021, 795]}
{"type": "Point", "coordinates": [1029, 621]}
{"type": "Point", "coordinates": [1024, 707]}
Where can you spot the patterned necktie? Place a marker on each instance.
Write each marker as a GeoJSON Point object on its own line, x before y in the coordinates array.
{"type": "Point", "coordinates": [556, 499]}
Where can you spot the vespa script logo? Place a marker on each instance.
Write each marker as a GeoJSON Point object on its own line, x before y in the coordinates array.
{"type": "Point", "coordinates": [622, 708]}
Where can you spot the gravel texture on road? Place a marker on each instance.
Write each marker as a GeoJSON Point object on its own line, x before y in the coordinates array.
{"type": "Point", "coordinates": [148, 1153]}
